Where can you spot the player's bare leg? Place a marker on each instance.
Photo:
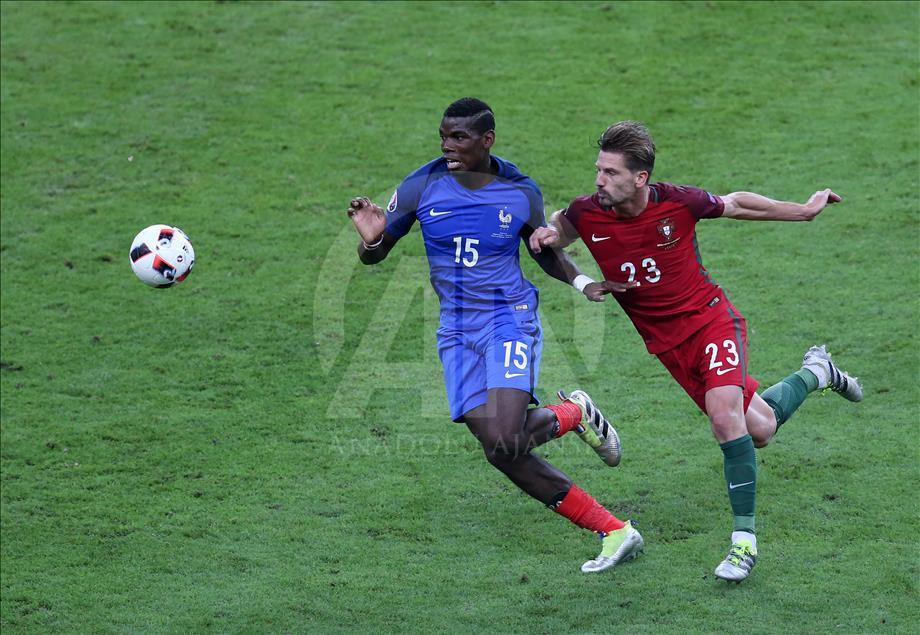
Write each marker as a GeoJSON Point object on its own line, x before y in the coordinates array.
{"type": "Point", "coordinates": [725, 407]}
{"type": "Point", "coordinates": [501, 427]}
{"type": "Point", "coordinates": [542, 426]}
{"type": "Point", "coordinates": [760, 421]}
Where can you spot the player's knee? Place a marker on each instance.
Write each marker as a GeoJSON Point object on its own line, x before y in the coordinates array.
{"type": "Point", "coordinates": [496, 457]}
{"type": "Point", "coordinates": [761, 435]}
{"type": "Point", "coordinates": [761, 423]}
{"type": "Point", "coordinates": [725, 407]}
{"type": "Point", "coordinates": [727, 425]}
{"type": "Point", "coordinates": [501, 449]}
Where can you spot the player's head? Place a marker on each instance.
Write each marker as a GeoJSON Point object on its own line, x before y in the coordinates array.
{"type": "Point", "coordinates": [633, 140]}
{"type": "Point", "coordinates": [624, 163]}
{"type": "Point", "coordinates": [481, 118]}
{"type": "Point", "coordinates": [467, 133]}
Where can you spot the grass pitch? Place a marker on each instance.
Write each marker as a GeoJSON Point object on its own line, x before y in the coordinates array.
{"type": "Point", "coordinates": [265, 448]}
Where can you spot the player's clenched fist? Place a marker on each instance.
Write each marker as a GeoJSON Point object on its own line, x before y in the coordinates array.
{"type": "Point", "coordinates": [543, 237]}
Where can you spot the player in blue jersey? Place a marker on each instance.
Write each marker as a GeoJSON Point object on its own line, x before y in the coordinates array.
{"type": "Point", "coordinates": [474, 209]}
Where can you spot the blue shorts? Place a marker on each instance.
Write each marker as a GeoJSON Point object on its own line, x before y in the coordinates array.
{"type": "Point", "coordinates": [504, 355]}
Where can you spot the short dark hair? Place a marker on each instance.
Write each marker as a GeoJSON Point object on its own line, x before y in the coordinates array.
{"type": "Point", "coordinates": [483, 117]}
{"type": "Point", "coordinates": [633, 140]}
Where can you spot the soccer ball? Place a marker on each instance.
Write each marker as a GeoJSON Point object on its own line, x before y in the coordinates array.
{"type": "Point", "coordinates": [162, 256]}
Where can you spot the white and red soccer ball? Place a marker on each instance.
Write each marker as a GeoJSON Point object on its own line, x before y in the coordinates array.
{"type": "Point", "coordinates": [162, 256]}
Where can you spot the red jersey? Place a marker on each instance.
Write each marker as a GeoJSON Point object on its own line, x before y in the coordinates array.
{"type": "Point", "coordinates": [658, 249]}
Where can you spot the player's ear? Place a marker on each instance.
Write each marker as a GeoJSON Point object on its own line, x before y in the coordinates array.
{"type": "Point", "coordinates": [641, 178]}
{"type": "Point", "coordinates": [488, 138]}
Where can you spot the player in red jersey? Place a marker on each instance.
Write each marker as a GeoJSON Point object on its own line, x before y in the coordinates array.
{"type": "Point", "coordinates": [643, 237]}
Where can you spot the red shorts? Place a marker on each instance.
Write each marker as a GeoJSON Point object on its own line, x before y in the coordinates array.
{"type": "Point", "coordinates": [714, 356]}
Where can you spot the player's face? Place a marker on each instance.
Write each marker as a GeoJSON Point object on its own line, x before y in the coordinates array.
{"type": "Point", "coordinates": [465, 149]}
{"type": "Point", "coordinates": [615, 182]}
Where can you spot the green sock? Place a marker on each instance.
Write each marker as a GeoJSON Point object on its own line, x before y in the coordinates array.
{"type": "Point", "coordinates": [741, 478]}
{"type": "Point", "coordinates": [786, 396]}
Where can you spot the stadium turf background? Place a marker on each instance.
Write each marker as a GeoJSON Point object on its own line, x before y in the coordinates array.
{"type": "Point", "coordinates": [265, 448]}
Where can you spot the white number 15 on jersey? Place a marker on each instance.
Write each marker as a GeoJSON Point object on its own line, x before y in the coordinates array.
{"type": "Point", "coordinates": [468, 254]}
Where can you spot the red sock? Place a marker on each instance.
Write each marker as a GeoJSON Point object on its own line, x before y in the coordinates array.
{"type": "Point", "coordinates": [579, 507]}
{"type": "Point", "coordinates": [567, 414]}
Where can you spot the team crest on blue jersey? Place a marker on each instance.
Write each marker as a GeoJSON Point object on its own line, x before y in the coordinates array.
{"type": "Point", "coordinates": [504, 223]}
{"type": "Point", "coordinates": [391, 206]}
{"type": "Point", "coordinates": [666, 230]}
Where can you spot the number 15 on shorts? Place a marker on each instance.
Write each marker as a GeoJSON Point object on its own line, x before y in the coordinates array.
{"type": "Point", "coordinates": [516, 358]}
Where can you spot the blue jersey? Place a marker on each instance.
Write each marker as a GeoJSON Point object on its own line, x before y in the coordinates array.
{"type": "Point", "coordinates": [471, 239]}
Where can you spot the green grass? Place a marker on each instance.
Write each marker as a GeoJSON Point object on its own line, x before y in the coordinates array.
{"type": "Point", "coordinates": [266, 448]}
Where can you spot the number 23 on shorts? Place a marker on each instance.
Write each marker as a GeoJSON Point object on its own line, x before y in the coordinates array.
{"type": "Point", "coordinates": [723, 358]}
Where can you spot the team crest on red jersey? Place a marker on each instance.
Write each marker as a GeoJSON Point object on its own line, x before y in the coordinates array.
{"type": "Point", "coordinates": [666, 230]}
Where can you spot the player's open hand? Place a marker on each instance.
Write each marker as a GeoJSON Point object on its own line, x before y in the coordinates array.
{"type": "Point", "coordinates": [821, 199]}
{"type": "Point", "coordinates": [597, 291]}
{"type": "Point", "coordinates": [368, 218]}
{"type": "Point", "coordinates": [543, 237]}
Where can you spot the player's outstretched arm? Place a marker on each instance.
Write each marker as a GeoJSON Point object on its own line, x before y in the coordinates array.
{"type": "Point", "coordinates": [370, 223]}
{"type": "Point", "coordinates": [558, 264]}
{"type": "Point", "coordinates": [751, 206]}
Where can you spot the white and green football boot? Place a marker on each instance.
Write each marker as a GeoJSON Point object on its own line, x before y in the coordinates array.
{"type": "Point", "coordinates": [740, 560]}
{"type": "Point", "coordinates": [818, 361]}
{"type": "Point", "coordinates": [595, 429]}
{"type": "Point", "coordinates": [616, 547]}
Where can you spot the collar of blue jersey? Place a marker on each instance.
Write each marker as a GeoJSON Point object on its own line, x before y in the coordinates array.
{"type": "Point", "coordinates": [506, 169]}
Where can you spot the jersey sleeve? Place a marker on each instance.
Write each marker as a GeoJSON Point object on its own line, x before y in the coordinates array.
{"type": "Point", "coordinates": [572, 213]}
{"type": "Point", "coordinates": [535, 200]}
{"type": "Point", "coordinates": [701, 203]}
{"type": "Point", "coordinates": [402, 207]}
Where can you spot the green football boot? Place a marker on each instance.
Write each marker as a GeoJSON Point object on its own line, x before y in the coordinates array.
{"type": "Point", "coordinates": [616, 547]}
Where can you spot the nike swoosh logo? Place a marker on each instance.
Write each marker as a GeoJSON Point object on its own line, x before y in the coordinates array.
{"type": "Point", "coordinates": [733, 486]}
{"type": "Point", "coordinates": [722, 371]}
{"type": "Point", "coordinates": [434, 213]}
{"type": "Point", "coordinates": [596, 239]}
{"type": "Point", "coordinates": [509, 375]}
